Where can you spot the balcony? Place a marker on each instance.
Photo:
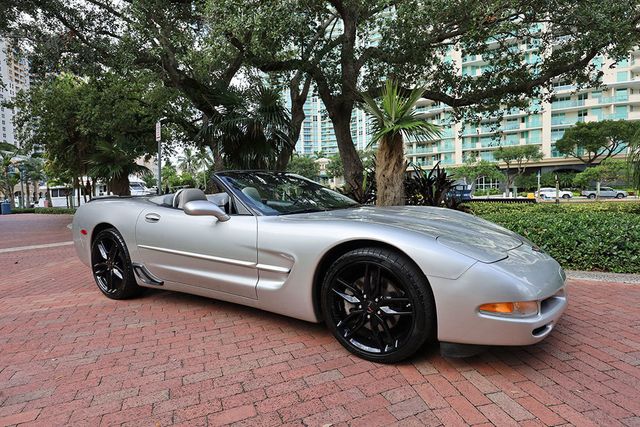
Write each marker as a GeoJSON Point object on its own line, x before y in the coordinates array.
{"type": "Point", "coordinates": [558, 105]}
{"type": "Point", "coordinates": [614, 99]}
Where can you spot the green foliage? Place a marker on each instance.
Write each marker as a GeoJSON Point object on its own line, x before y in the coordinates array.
{"type": "Point", "coordinates": [597, 141]}
{"type": "Point", "coordinates": [47, 211]}
{"type": "Point", "coordinates": [305, 166]}
{"type": "Point", "coordinates": [547, 179]}
{"type": "Point", "coordinates": [609, 171]}
{"type": "Point", "coordinates": [253, 129]}
{"type": "Point", "coordinates": [96, 126]}
{"type": "Point", "coordinates": [517, 157]}
{"type": "Point", "coordinates": [334, 167]}
{"type": "Point", "coordinates": [581, 236]}
{"type": "Point", "coordinates": [472, 169]}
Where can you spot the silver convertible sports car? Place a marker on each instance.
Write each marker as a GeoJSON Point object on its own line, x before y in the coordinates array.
{"type": "Point", "coordinates": [384, 280]}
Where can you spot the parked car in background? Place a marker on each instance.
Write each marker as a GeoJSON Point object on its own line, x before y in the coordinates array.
{"type": "Point", "coordinates": [605, 192]}
{"type": "Point", "coordinates": [550, 193]}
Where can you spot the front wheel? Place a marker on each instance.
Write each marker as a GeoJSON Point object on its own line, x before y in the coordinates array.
{"type": "Point", "coordinates": [378, 304]}
{"type": "Point", "coordinates": [592, 196]}
{"type": "Point", "coordinates": [111, 265]}
{"type": "Point", "coordinates": [619, 196]}
{"type": "Point", "coordinates": [566, 196]}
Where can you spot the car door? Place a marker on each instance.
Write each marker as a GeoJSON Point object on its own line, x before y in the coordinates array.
{"type": "Point", "coordinates": [200, 250]}
{"type": "Point", "coordinates": [607, 192]}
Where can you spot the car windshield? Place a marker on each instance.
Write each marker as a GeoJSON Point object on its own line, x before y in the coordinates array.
{"type": "Point", "coordinates": [280, 193]}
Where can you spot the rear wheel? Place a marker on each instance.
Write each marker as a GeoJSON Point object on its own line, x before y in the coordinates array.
{"type": "Point", "coordinates": [111, 265]}
{"type": "Point", "coordinates": [619, 196]}
{"type": "Point", "coordinates": [566, 196]}
{"type": "Point", "coordinates": [378, 304]}
{"type": "Point", "coordinates": [592, 196]}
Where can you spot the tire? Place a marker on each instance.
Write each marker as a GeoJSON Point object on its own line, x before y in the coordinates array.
{"type": "Point", "coordinates": [361, 323]}
{"type": "Point", "coordinates": [591, 196]}
{"type": "Point", "coordinates": [566, 196]}
{"type": "Point", "coordinates": [619, 196]}
{"type": "Point", "coordinates": [111, 266]}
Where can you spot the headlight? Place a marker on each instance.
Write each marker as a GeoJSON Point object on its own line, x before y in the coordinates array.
{"type": "Point", "coordinates": [515, 309]}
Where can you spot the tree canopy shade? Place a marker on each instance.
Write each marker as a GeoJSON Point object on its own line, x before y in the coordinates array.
{"type": "Point", "coordinates": [357, 44]}
{"type": "Point", "coordinates": [344, 46]}
{"type": "Point", "coordinates": [517, 157]}
{"type": "Point", "coordinates": [594, 142]}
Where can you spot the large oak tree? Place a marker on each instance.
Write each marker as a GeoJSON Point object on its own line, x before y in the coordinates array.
{"type": "Point", "coordinates": [344, 46]}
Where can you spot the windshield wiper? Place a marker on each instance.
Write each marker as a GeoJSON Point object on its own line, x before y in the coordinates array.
{"type": "Point", "coordinates": [307, 210]}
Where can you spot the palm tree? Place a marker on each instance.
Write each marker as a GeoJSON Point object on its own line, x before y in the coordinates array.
{"type": "Point", "coordinates": [394, 120]}
{"type": "Point", "coordinates": [252, 130]}
{"type": "Point", "coordinates": [8, 176]}
{"type": "Point", "coordinates": [34, 173]}
{"type": "Point", "coordinates": [188, 161]}
{"type": "Point", "coordinates": [205, 161]}
{"type": "Point", "coordinates": [114, 164]}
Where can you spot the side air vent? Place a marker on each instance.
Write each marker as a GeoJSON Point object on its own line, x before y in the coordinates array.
{"type": "Point", "coordinates": [145, 275]}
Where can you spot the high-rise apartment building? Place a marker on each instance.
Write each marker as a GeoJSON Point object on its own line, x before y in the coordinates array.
{"type": "Point", "coordinates": [14, 72]}
{"type": "Point", "coordinates": [317, 133]}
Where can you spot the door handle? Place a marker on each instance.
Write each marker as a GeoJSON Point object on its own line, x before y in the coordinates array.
{"type": "Point", "coordinates": [152, 217]}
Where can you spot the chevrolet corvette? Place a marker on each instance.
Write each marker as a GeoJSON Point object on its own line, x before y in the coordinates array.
{"type": "Point", "coordinates": [385, 280]}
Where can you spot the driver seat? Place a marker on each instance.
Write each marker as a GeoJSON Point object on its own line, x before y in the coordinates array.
{"type": "Point", "coordinates": [186, 195]}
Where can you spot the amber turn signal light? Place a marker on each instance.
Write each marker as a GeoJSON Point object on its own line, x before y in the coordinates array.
{"type": "Point", "coordinates": [519, 308]}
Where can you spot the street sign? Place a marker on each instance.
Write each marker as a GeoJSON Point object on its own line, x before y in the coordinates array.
{"type": "Point", "coordinates": [158, 131]}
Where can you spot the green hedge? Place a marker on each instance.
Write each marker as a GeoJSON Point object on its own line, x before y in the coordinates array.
{"type": "Point", "coordinates": [44, 211]}
{"type": "Point", "coordinates": [580, 236]}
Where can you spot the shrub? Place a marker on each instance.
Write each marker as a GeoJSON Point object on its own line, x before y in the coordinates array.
{"type": "Point", "coordinates": [587, 236]}
{"type": "Point", "coordinates": [44, 210]}
{"type": "Point", "coordinates": [55, 211]}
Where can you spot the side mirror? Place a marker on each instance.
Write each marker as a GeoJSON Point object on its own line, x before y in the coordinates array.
{"type": "Point", "coordinates": [205, 207]}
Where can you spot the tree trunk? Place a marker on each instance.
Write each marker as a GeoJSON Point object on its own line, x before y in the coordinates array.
{"type": "Point", "coordinates": [353, 170]}
{"type": "Point", "coordinates": [76, 187]}
{"type": "Point", "coordinates": [390, 170]}
{"type": "Point", "coordinates": [120, 185]}
{"type": "Point", "coordinates": [26, 183]}
{"type": "Point", "coordinates": [298, 99]}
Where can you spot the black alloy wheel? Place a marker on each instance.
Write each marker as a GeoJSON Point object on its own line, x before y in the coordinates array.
{"type": "Point", "coordinates": [111, 265]}
{"type": "Point", "coordinates": [378, 304]}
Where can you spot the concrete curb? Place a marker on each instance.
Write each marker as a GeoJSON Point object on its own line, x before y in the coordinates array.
{"type": "Point", "coordinates": [604, 277]}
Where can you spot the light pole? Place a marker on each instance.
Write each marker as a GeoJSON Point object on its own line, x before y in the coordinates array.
{"type": "Point", "coordinates": [21, 171]}
{"type": "Point", "coordinates": [159, 140]}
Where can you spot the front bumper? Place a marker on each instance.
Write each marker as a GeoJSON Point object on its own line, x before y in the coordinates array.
{"type": "Point", "coordinates": [526, 275]}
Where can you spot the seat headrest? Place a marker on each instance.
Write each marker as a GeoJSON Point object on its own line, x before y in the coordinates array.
{"type": "Point", "coordinates": [252, 193]}
{"type": "Point", "coordinates": [186, 195]}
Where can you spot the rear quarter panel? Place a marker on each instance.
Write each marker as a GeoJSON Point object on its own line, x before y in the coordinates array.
{"type": "Point", "coordinates": [121, 214]}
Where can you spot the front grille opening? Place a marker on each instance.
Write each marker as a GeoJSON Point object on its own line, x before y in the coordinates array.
{"type": "Point", "coordinates": [541, 330]}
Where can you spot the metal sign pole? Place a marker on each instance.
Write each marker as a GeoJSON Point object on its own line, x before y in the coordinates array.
{"type": "Point", "coordinates": [159, 139]}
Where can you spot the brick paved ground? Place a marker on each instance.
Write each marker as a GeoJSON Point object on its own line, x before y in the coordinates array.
{"type": "Point", "coordinates": [33, 229]}
{"type": "Point", "coordinates": [70, 356]}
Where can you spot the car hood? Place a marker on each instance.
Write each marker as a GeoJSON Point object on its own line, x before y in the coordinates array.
{"type": "Point", "coordinates": [464, 233]}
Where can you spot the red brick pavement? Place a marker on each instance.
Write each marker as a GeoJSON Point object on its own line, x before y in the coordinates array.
{"type": "Point", "coordinates": [68, 355]}
{"type": "Point", "coordinates": [33, 229]}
